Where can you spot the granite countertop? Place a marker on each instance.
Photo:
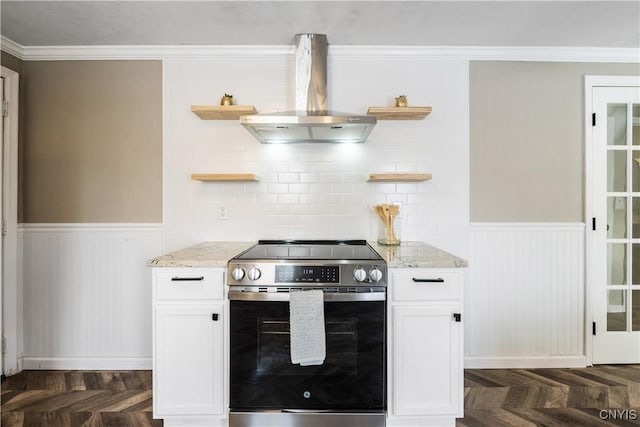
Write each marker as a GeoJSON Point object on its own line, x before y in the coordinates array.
{"type": "Point", "coordinates": [205, 254]}
{"type": "Point", "coordinates": [217, 254]}
{"type": "Point", "coordinates": [417, 255]}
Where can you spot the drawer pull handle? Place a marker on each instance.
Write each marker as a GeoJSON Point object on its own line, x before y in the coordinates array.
{"type": "Point", "coordinates": [187, 279]}
{"type": "Point", "coordinates": [438, 280]}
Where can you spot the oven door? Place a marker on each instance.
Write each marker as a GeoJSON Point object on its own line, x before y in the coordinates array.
{"type": "Point", "coordinates": [262, 376]}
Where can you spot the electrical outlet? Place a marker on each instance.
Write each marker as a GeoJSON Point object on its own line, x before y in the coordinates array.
{"type": "Point", "coordinates": [223, 213]}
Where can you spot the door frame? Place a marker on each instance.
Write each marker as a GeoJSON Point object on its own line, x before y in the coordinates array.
{"type": "Point", "coordinates": [11, 277]}
{"type": "Point", "coordinates": [591, 82]}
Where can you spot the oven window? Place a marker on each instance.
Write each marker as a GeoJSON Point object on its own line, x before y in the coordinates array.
{"type": "Point", "coordinates": [274, 351]}
{"type": "Point", "coordinates": [263, 377]}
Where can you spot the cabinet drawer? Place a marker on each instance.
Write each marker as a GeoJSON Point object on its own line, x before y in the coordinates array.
{"type": "Point", "coordinates": [189, 283]}
{"type": "Point", "coordinates": [426, 284]}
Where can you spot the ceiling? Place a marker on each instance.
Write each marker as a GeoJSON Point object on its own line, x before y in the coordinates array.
{"type": "Point", "coordinates": [407, 23]}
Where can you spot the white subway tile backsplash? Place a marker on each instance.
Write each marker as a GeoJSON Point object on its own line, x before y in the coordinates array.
{"type": "Point", "coordinates": [288, 177]}
{"type": "Point", "coordinates": [397, 198]}
{"type": "Point", "coordinates": [278, 188]}
{"type": "Point", "coordinates": [273, 210]}
{"type": "Point", "coordinates": [332, 177]}
{"type": "Point", "coordinates": [320, 188]}
{"type": "Point", "coordinates": [416, 220]}
{"type": "Point", "coordinates": [406, 188]}
{"type": "Point", "coordinates": [344, 188]}
{"type": "Point", "coordinates": [354, 177]}
{"type": "Point", "coordinates": [319, 198]}
{"type": "Point", "coordinates": [409, 167]}
{"type": "Point", "coordinates": [288, 198]}
{"type": "Point", "coordinates": [320, 166]}
{"type": "Point", "coordinates": [268, 176]}
{"type": "Point", "coordinates": [314, 190]}
{"type": "Point", "coordinates": [415, 198]}
{"type": "Point", "coordinates": [266, 198]}
{"type": "Point", "coordinates": [310, 177]}
{"type": "Point", "coordinates": [296, 166]}
{"type": "Point", "coordinates": [298, 188]}
{"type": "Point", "coordinates": [385, 188]}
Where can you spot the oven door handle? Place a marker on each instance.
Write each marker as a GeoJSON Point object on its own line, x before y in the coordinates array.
{"type": "Point", "coordinates": [328, 297]}
{"type": "Point", "coordinates": [309, 411]}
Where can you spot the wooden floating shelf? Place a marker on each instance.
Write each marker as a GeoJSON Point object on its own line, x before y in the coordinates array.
{"type": "Point", "coordinates": [399, 177]}
{"type": "Point", "coordinates": [222, 112]}
{"type": "Point", "coordinates": [399, 113]}
{"type": "Point", "coordinates": [224, 177]}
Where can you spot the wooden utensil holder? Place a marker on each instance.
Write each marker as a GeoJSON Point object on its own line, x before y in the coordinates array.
{"type": "Point", "coordinates": [387, 214]}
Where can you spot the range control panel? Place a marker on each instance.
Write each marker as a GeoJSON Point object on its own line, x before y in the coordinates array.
{"type": "Point", "coordinates": [307, 273]}
{"type": "Point", "coordinates": [362, 273]}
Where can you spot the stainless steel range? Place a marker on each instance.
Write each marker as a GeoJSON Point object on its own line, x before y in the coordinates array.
{"type": "Point", "coordinates": [348, 387]}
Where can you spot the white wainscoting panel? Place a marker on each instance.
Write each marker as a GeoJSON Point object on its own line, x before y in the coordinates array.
{"type": "Point", "coordinates": [87, 295]}
{"type": "Point", "coordinates": [525, 298]}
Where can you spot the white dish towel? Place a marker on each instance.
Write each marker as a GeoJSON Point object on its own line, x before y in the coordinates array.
{"type": "Point", "coordinates": [306, 319]}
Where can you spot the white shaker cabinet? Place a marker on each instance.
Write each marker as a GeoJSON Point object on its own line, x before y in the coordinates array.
{"type": "Point", "coordinates": [425, 347]}
{"type": "Point", "coordinates": [189, 352]}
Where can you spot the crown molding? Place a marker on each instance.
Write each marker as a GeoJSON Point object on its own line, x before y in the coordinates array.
{"type": "Point", "coordinates": [60, 53]}
{"type": "Point", "coordinates": [497, 53]}
{"type": "Point", "coordinates": [474, 53]}
{"type": "Point", "coordinates": [11, 47]}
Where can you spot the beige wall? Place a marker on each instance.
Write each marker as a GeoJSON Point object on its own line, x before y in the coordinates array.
{"type": "Point", "coordinates": [527, 139]}
{"type": "Point", "coordinates": [92, 141]}
{"type": "Point", "coordinates": [11, 62]}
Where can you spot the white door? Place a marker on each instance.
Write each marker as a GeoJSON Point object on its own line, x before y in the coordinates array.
{"type": "Point", "coordinates": [614, 261]}
{"type": "Point", "coordinates": [2, 345]}
{"type": "Point", "coordinates": [11, 298]}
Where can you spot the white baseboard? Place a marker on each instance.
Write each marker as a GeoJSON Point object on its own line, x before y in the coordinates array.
{"type": "Point", "coordinates": [195, 421]}
{"type": "Point", "coordinates": [525, 362]}
{"type": "Point", "coordinates": [87, 363]}
{"type": "Point", "coordinates": [421, 421]}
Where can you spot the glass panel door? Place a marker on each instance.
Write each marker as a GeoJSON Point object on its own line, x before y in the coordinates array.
{"type": "Point", "coordinates": [616, 195]}
{"type": "Point", "coordinates": [620, 183]}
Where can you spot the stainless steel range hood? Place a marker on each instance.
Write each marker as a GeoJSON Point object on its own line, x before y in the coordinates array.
{"type": "Point", "coordinates": [311, 122]}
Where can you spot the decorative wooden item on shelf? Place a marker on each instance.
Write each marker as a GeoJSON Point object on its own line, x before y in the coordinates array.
{"type": "Point", "coordinates": [399, 177]}
{"type": "Point", "coordinates": [224, 177]}
{"type": "Point", "coordinates": [399, 113]}
{"type": "Point", "coordinates": [222, 112]}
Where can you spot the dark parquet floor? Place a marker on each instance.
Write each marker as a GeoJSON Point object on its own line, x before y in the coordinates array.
{"type": "Point", "coordinates": [78, 398]}
{"type": "Point", "coordinates": [605, 395]}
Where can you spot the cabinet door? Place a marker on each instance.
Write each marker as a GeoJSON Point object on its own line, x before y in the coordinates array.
{"type": "Point", "coordinates": [427, 366]}
{"type": "Point", "coordinates": [188, 359]}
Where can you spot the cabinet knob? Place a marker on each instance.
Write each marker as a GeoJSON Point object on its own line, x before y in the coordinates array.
{"type": "Point", "coordinates": [214, 317]}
